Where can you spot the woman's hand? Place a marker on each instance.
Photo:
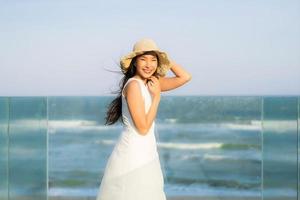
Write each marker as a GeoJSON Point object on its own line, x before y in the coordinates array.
{"type": "Point", "coordinates": [154, 86]}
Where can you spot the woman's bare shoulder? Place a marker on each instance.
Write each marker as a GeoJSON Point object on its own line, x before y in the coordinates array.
{"type": "Point", "coordinates": [133, 88]}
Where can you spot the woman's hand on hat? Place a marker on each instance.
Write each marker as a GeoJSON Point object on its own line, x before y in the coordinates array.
{"type": "Point", "coordinates": [154, 86]}
{"type": "Point", "coordinates": [172, 63]}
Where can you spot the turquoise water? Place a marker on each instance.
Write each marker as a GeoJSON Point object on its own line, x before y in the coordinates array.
{"type": "Point", "coordinates": [216, 146]}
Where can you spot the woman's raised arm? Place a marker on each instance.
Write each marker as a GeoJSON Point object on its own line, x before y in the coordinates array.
{"type": "Point", "coordinates": [181, 77]}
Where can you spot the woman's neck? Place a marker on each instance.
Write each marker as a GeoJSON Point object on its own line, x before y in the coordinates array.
{"type": "Point", "coordinates": [138, 77]}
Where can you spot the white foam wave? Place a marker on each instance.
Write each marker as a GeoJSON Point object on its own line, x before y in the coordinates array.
{"type": "Point", "coordinates": [72, 192]}
{"type": "Point", "coordinates": [77, 126]}
{"type": "Point", "coordinates": [189, 157]}
{"type": "Point", "coordinates": [170, 145]}
{"type": "Point", "coordinates": [73, 126]}
{"type": "Point", "coordinates": [254, 125]}
{"type": "Point", "coordinates": [280, 126]}
{"type": "Point", "coordinates": [107, 142]}
{"type": "Point", "coordinates": [171, 120]}
{"type": "Point", "coordinates": [216, 157]}
{"type": "Point", "coordinates": [245, 155]}
{"type": "Point", "coordinates": [28, 122]}
{"type": "Point", "coordinates": [71, 123]}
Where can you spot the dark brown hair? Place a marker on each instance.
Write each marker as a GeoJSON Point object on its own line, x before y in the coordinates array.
{"type": "Point", "coordinates": [114, 111]}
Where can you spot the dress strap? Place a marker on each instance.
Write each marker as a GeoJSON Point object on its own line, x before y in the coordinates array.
{"type": "Point", "coordinates": [129, 80]}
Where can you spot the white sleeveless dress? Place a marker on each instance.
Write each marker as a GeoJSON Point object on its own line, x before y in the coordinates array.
{"type": "Point", "coordinates": [133, 170]}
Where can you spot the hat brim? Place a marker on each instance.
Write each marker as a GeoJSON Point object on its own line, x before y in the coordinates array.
{"type": "Point", "coordinates": [162, 68]}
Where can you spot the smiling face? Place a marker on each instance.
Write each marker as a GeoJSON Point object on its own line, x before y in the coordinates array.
{"type": "Point", "coordinates": [146, 64]}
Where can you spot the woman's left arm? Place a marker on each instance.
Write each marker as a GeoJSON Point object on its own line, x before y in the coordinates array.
{"type": "Point", "coordinates": [181, 77]}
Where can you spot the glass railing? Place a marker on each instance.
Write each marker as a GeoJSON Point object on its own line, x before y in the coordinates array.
{"type": "Point", "coordinates": [23, 163]}
{"type": "Point", "coordinates": [210, 147]}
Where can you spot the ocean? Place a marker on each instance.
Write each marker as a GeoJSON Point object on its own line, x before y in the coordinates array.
{"type": "Point", "coordinates": [208, 145]}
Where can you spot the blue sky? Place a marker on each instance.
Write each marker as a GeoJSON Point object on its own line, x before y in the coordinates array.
{"type": "Point", "coordinates": [231, 47]}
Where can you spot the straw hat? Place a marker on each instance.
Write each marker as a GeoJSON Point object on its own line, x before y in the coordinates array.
{"type": "Point", "coordinates": [141, 47]}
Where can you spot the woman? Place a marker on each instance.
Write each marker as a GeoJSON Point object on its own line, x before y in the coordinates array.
{"type": "Point", "coordinates": [133, 170]}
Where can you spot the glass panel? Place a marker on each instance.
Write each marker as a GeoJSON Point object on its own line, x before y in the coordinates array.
{"type": "Point", "coordinates": [298, 131]}
{"type": "Point", "coordinates": [28, 148]}
{"type": "Point", "coordinates": [79, 145]}
{"type": "Point", "coordinates": [279, 148]}
{"type": "Point", "coordinates": [211, 146]}
{"type": "Point", "coordinates": [4, 115]}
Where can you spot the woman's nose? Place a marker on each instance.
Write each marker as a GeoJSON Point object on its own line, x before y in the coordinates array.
{"type": "Point", "coordinates": [149, 63]}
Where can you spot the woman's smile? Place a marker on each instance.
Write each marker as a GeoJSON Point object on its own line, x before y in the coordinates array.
{"type": "Point", "coordinates": [147, 71]}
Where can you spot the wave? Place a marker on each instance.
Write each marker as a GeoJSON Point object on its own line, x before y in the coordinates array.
{"type": "Point", "coordinates": [69, 191]}
{"type": "Point", "coordinates": [236, 156]}
{"type": "Point", "coordinates": [78, 126]}
{"type": "Point", "coordinates": [27, 122]}
{"type": "Point", "coordinates": [215, 157]}
{"type": "Point", "coordinates": [215, 145]}
{"type": "Point", "coordinates": [194, 146]}
{"type": "Point", "coordinates": [54, 125]}
{"type": "Point", "coordinates": [171, 120]}
{"type": "Point", "coordinates": [241, 157]}
{"type": "Point", "coordinates": [170, 145]}
{"type": "Point", "coordinates": [72, 123]}
{"type": "Point", "coordinates": [254, 125]}
{"type": "Point", "coordinates": [188, 146]}
{"type": "Point", "coordinates": [280, 126]}
{"type": "Point", "coordinates": [106, 142]}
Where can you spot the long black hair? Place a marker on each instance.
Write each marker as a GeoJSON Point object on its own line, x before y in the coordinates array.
{"type": "Point", "coordinates": [114, 111]}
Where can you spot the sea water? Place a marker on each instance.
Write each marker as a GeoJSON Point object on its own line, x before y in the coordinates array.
{"type": "Point", "coordinates": [208, 146]}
